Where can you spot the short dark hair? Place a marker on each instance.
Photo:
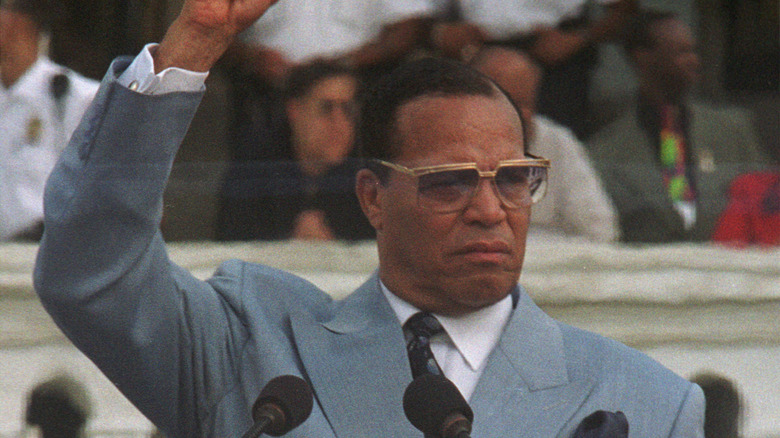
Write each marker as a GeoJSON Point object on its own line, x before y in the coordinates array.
{"type": "Point", "coordinates": [639, 33]}
{"type": "Point", "coordinates": [424, 77]}
{"type": "Point", "coordinates": [304, 77]}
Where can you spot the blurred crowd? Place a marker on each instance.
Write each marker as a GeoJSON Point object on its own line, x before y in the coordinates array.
{"type": "Point", "coordinates": [661, 165]}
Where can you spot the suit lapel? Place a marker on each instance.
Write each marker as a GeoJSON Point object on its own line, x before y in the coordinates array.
{"type": "Point", "coordinates": [359, 369]}
{"type": "Point", "coordinates": [357, 365]}
{"type": "Point", "coordinates": [712, 176]}
{"type": "Point", "coordinates": [525, 389]}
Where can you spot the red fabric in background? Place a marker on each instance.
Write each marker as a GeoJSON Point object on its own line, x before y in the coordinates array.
{"type": "Point", "coordinates": [752, 216]}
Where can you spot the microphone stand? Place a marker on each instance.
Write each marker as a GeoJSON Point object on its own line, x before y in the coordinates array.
{"type": "Point", "coordinates": [257, 428]}
{"type": "Point", "coordinates": [456, 426]}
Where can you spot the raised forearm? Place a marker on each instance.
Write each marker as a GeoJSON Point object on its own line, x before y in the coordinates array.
{"type": "Point", "coordinates": [204, 30]}
{"type": "Point", "coordinates": [188, 49]}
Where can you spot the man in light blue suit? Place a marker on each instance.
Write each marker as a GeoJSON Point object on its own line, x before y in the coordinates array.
{"type": "Point", "coordinates": [449, 190]}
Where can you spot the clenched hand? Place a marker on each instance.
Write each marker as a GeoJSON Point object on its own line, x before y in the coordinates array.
{"type": "Point", "coordinates": [203, 31]}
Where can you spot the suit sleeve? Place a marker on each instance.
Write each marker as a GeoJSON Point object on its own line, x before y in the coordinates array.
{"type": "Point", "coordinates": [102, 270]}
{"type": "Point", "coordinates": [690, 420]}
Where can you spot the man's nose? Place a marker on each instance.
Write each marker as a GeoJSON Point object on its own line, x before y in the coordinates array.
{"type": "Point", "coordinates": [342, 116]}
{"type": "Point", "coordinates": [485, 206]}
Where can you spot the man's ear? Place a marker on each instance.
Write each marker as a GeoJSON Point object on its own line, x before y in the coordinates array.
{"type": "Point", "coordinates": [370, 193]}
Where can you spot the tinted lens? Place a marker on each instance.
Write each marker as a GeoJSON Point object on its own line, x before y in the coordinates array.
{"type": "Point", "coordinates": [447, 189]}
{"type": "Point", "coordinates": [518, 185]}
{"type": "Point", "coordinates": [538, 182]}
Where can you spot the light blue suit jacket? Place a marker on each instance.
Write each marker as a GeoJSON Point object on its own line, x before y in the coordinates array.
{"type": "Point", "coordinates": [193, 355]}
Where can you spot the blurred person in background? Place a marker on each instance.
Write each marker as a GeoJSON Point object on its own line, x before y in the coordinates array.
{"type": "Point", "coordinates": [752, 216]}
{"type": "Point", "coordinates": [723, 410]}
{"type": "Point", "coordinates": [668, 160]}
{"type": "Point", "coordinates": [369, 37]}
{"type": "Point", "coordinates": [575, 202]}
{"type": "Point", "coordinates": [59, 407]}
{"type": "Point", "coordinates": [562, 36]}
{"type": "Point", "coordinates": [41, 103]}
{"type": "Point", "coordinates": [303, 186]}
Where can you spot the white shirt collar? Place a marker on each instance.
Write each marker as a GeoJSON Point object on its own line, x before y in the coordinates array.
{"type": "Point", "coordinates": [474, 335]}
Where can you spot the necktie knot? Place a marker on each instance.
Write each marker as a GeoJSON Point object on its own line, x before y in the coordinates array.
{"type": "Point", "coordinates": [423, 324]}
{"type": "Point", "coordinates": [418, 331]}
{"type": "Point", "coordinates": [670, 116]}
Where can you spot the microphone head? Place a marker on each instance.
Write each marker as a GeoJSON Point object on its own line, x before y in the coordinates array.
{"type": "Point", "coordinates": [289, 394]}
{"type": "Point", "coordinates": [430, 400]}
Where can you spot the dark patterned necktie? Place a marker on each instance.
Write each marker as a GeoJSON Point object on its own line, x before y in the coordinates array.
{"type": "Point", "coordinates": [418, 331]}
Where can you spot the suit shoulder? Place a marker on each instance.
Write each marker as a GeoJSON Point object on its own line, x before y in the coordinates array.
{"type": "Point", "coordinates": [724, 119]}
{"type": "Point", "coordinates": [652, 397]}
{"type": "Point", "coordinates": [721, 112]}
{"type": "Point", "coordinates": [255, 274]}
{"type": "Point", "coordinates": [604, 358]}
{"type": "Point", "coordinates": [261, 285]}
{"type": "Point", "coordinates": [611, 140]}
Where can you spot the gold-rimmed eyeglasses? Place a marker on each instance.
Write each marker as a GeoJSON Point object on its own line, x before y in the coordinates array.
{"type": "Point", "coordinates": [447, 188]}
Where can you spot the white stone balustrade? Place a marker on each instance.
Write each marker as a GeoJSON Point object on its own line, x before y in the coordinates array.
{"type": "Point", "coordinates": [692, 307]}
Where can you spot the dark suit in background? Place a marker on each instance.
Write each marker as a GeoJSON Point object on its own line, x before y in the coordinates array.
{"type": "Point", "coordinates": [721, 145]}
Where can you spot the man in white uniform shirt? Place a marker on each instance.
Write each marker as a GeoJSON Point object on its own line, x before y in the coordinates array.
{"type": "Point", "coordinates": [41, 103]}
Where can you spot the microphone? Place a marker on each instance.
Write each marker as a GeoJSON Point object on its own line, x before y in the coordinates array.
{"type": "Point", "coordinates": [435, 406]}
{"type": "Point", "coordinates": [283, 404]}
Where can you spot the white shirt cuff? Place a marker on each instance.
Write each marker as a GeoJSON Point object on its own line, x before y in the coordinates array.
{"type": "Point", "coordinates": [140, 76]}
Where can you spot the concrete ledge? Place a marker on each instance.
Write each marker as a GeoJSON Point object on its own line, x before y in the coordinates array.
{"type": "Point", "coordinates": [692, 307]}
{"type": "Point", "coordinates": [639, 295]}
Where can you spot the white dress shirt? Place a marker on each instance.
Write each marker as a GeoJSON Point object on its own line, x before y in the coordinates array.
{"type": "Point", "coordinates": [463, 350]}
{"type": "Point", "coordinates": [140, 77]}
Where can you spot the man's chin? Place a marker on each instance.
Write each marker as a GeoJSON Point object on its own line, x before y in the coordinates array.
{"type": "Point", "coordinates": [487, 269]}
{"type": "Point", "coordinates": [479, 291]}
